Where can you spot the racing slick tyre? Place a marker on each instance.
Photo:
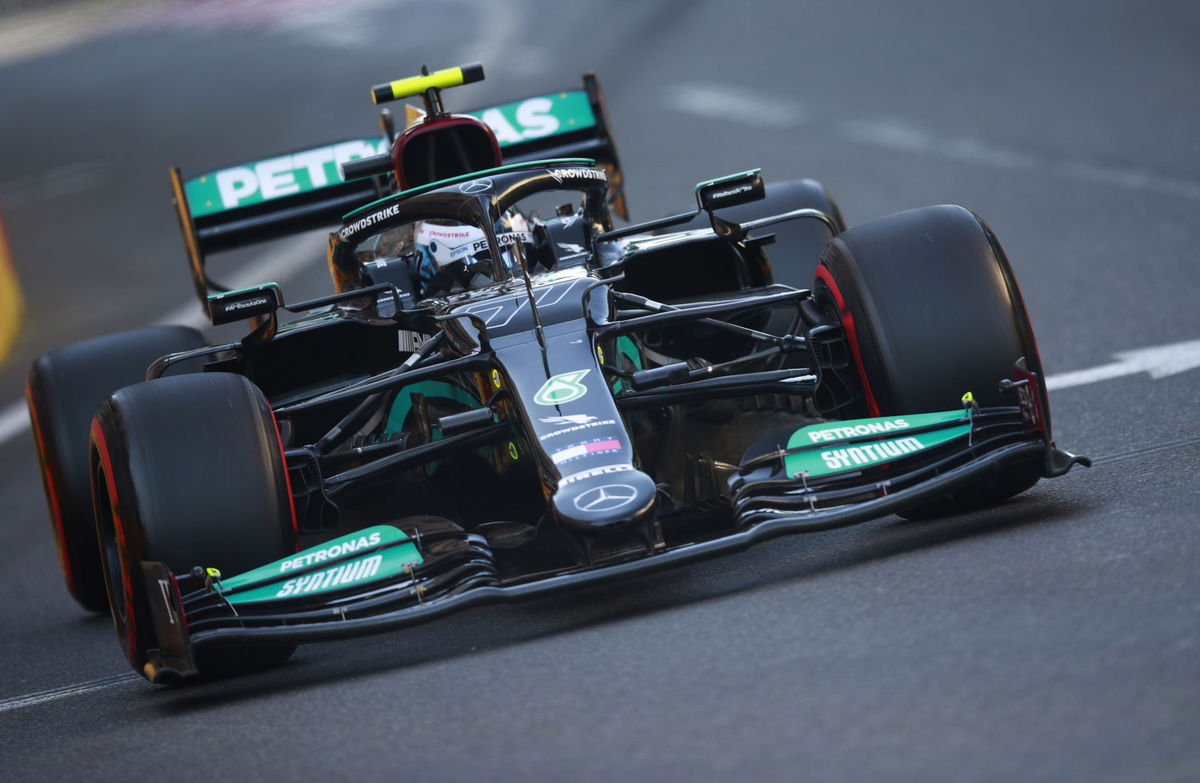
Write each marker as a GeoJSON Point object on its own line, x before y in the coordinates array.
{"type": "Point", "coordinates": [931, 310]}
{"type": "Point", "coordinates": [63, 390]}
{"type": "Point", "coordinates": [188, 471]}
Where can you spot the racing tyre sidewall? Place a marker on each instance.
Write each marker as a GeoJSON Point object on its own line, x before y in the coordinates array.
{"type": "Point", "coordinates": [188, 471]}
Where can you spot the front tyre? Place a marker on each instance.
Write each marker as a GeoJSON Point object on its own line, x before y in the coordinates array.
{"type": "Point", "coordinates": [188, 471]}
{"type": "Point", "coordinates": [931, 310]}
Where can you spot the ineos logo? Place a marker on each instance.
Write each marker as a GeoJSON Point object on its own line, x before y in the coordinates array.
{"type": "Point", "coordinates": [608, 497]}
{"type": "Point", "coordinates": [475, 186]}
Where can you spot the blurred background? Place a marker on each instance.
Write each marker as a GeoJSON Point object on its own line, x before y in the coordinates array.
{"type": "Point", "coordinates": [1056, 638]}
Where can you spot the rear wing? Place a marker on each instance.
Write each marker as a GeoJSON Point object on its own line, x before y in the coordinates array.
{"type": "Point", "coordinates": [262, 200]}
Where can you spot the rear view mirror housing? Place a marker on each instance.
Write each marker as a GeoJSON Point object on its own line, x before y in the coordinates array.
{"type": "Point", "coordinates": [255, 302]}
{"type": "Point", "coordinates": [730, 191]}
{"type": "Point", "coordinates": [712, 195]}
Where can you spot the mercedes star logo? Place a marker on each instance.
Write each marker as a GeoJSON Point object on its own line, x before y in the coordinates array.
{"type": "Point", "coordinates": [608, 497]}
{"type": "Point", "coordinates": [475, 186]}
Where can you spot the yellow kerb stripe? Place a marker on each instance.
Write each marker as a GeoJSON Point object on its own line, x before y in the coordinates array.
{"type": "Point", "coordinates": [414, 85]}
{"type": "Point", "coordinates": [11, 303]}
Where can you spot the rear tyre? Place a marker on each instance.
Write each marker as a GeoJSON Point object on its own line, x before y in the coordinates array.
{"type": "Point", "coordinates": [64, 389]}
{"type": "Point", "coordinates": [188, 471]}
{"type": "Point", "coordinates": [932, 310]}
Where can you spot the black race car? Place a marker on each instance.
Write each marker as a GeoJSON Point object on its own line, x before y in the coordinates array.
{"type": "Point", "coordinates": [507, 396]}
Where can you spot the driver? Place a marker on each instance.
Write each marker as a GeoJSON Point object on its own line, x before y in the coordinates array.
{"type": "Point", "coordinates": [451, 257]}
{"type": "Point", "coordinates": [448, 257]}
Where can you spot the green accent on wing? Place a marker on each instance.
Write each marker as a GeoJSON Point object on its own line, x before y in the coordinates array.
{"type": "Point", "coordinates": [280, 580]}
{"type": "Point", "coordinates": [536, 118]}
{"type": "Point", "coordinates": [274, 178]}
{"type": "Point", "coordinates": [826, 457]}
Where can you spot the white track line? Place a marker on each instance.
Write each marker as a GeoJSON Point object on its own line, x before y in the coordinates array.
{"type": "Point", "coordinates": [42, 697]}
{"type": "Point", "coordinates": [725, 102]}
{"type": "Point", "coordinates": [14, 420]}
{"type": "Point", "coordinates": [1157, 361]}
{"type": "Point", "coordinates": [905, 138]}
{"type": "Point", "coordinates": [734, 104]}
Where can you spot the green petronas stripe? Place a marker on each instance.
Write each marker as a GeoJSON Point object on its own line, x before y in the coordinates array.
{"type": "Point", "coordinates": [386, 552]}
{"type": "Point", "coordinates": [274, 178]}
{"type": "Point", "coordinates": [826, 453]}
{"type": "Point", "coordinates": [534, 118]}
{"type": "Point", "coordinates": [385, 564]}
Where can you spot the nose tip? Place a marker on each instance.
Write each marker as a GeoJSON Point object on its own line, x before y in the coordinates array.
{"type": "Point", "coordinates": [605, 500]}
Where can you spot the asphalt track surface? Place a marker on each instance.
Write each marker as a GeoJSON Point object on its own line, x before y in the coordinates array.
{"type": "Point", "coordinates": [1054, 638]}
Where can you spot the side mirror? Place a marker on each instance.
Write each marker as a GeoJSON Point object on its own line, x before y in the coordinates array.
{"type": "Point", "coordinates": [730, 191]}
{"type": "Point", "coordinates": [256, 302]}
{"type": "Point", "coordinates": [710, 196]}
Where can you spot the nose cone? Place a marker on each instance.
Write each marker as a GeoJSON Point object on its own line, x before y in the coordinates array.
{"type": "Point", "coordinates": [603, 500]}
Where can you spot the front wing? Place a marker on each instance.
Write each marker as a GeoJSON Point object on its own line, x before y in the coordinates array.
{"type": "Point", "coordinates": [383, 578]}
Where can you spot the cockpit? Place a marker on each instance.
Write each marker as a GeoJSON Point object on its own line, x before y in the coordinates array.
{"type": "Point", "coordinates": [475, 230]}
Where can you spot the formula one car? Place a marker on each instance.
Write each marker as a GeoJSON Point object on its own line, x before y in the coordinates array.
{"type": "Point", "coordinates": [507, 396]}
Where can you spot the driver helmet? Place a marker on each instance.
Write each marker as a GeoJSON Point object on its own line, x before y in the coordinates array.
{"type": "Point", "coordinates": [456, 256]}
